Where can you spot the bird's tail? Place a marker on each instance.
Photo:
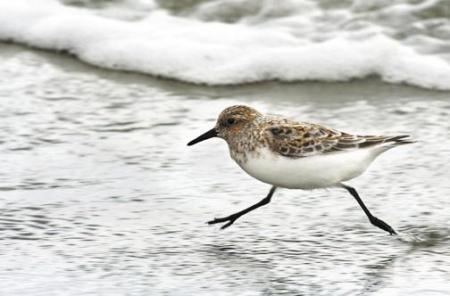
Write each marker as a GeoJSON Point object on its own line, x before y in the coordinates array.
{"type": "Point", "coordinates": [399, 140]}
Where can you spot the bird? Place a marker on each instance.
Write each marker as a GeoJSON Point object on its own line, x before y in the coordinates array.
{"type": "Point", "coordinates": [285, 153]}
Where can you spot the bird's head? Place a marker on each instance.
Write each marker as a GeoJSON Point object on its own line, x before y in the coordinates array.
{"type": "Point", "coordinates": [230, 123]}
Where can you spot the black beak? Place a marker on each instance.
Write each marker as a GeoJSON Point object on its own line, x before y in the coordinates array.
{"type": "Point", "coordinates": [209, 134]}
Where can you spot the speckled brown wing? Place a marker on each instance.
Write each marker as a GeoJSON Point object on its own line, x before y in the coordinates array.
{"type": "Point", "coordinates": [303, 139]}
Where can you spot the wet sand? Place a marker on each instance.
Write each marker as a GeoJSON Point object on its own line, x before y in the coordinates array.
{"type": "Point", "coordinates": [101, 196]}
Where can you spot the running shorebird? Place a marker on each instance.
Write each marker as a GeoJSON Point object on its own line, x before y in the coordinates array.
{"type": "Point", "coordinates": [296, 155]}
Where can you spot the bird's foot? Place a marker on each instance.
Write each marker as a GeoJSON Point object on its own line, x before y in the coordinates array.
{"type": "Point", "coordinates": [381, 224]}
{"type": "Point", "coordinates": [230, 220]}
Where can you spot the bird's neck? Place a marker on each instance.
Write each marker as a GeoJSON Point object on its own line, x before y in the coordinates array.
{"type": "Point", "coordinates": [246, 142]}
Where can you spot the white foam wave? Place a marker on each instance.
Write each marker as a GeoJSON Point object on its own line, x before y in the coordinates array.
{"type": "Point", "coordinates": [217, 53]}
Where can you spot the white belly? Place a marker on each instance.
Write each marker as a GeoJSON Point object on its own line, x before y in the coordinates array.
{"type": "Point", "coordinates": [308, 172]}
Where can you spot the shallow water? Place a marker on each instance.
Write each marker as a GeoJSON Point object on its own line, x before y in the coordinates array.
{"type": "Point", "coordinates": [101, 196]}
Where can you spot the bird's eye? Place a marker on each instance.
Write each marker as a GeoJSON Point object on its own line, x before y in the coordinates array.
{"type": "Point", "coordinates": [231, 121]}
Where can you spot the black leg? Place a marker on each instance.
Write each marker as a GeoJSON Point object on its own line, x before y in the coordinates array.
{"type": "Point", "coordinates": [236, 216]}
{"type": "Point", "coordinates": [374, 220]}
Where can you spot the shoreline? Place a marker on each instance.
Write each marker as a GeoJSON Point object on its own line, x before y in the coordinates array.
{"type": "Point", "coordinates": [96, 168]}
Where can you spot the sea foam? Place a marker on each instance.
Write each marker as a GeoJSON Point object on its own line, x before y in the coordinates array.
{"type": "Point", "coordinates": [212, 52]}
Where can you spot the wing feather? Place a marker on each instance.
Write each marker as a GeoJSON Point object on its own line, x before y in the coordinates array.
{"type": "Point", "coordinates": [304, 139]}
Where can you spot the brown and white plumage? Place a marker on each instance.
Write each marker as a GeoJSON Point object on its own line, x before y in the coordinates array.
{"type": "Point", "coordinates": [305, 139]}
{"type": "Point", "coordinates": [296, 155]}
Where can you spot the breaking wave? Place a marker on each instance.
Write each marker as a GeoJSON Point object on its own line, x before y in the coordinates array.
{"type": "Point", "coordinates": [224, 42]}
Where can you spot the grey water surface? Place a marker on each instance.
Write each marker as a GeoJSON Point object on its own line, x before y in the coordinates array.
{"type": "Point", "coordinates": [100, 195]}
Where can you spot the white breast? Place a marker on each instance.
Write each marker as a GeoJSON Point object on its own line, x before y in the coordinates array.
{"type": "Point", "coordinates": [311, 172]}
